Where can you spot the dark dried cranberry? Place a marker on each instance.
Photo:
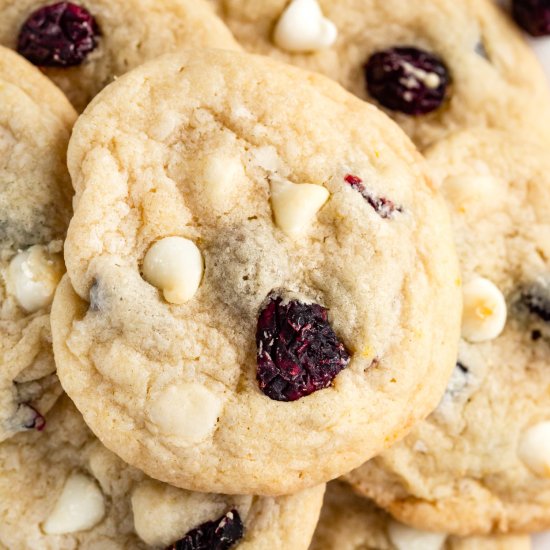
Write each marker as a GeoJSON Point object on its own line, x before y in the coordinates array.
{"type": "Point", "coordinates": [58, 35]}
{"type": "Point", "coordinates": [298, 351]}
{"type": "Point", "coordinates": [29, 418]}
{"type": "Point", "coordinates": [533, 16]}
{"type": "Point", "coordinates": [536, 298]}
{"type": "Point", "coordinates": [221, 534]}
{"type": "Point", "coordinates": [385, 208]}
{"type": "Point", "coordinates": [407, 80]}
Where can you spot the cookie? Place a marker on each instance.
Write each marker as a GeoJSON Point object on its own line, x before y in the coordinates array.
{"type": "Point", "coordinates": [85, 45]}
{"type": "Point", "coordinates": [253, 276]}
{"type": "Point", "coordinates": [35, 207]}
{"type": "Point", "coordinates": [349, 522]}
{"type": "Point", "coordinates": [434, 66]}
{"type": "Point", "coordinates": [481, 462]}
{"type": "Point", "coordinates": [62, 489]}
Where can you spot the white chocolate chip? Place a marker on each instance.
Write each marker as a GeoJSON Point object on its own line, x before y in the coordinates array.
{"type": "Point", "coordinates": [175, 266]}
{"type": "Point", "coordinates": [484, 311]}
{"type": "Point", "coordinates": [220, 179]}
{"type": "Point", "coordinates": [473, 192]}
{"type": "Point", "coordinates": [296, 205]}
{"type": "Point", "coordinates": [534, 449]}
{"type": "Point", "coordinates": [407, 538]}
{"type": "Point", "coordinates": [186, 412]}
{"type": "Point", "coordinates": [80, 506]}
{"type": "Point", "coordinates": [303, 28]}
{"type": "Point", "coordinates": [33, 276]}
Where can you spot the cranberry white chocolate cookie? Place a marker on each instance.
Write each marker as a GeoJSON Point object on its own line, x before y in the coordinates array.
{"type": "Point", "coordinates": [435, 66]}
{"type": "Point", "coordinates": [35, 207]}
{"type": "Point", "coordinates": [481, 462]}
{"type": "Point", "coordinates": [254, 257]}
{"type": "Point", "coordinates": [85, 44]}
{"type": "Point", "coordinates": [61, 489]}
{"type": "Point", "coordinates": [351, 522]}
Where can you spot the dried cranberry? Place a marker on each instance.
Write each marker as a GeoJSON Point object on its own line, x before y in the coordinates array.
{"type": "Point", "coordinates": [298, 351]}
{"type": "Point", "coordinates": [536, 298]}
{"type": "Point", "coordinates": [407, 80]}
{"type": "Point", "coordinates": [58, 35]}
{"type": "Point", "coordinates": [533, 16]}
{"type": "Point", "coordinates": [28, 418]}
{"type": "Point", "coordinates": [385, 208]}
{"type": "Point", "coordinates": [220, 534]}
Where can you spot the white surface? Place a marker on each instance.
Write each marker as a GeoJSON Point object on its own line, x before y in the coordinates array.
{"type": "Point", "coordinates": [541, 541]}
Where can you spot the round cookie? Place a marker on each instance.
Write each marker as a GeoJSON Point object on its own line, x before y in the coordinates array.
{"type": "Point", "coordinates": [481, 462]}
{"type": "Point", "coordinates": [493, 78]}
{"type": "Point", "coordinates": [61, 489]}
{"type": "Point", "coordinates": [293, 244]}
{"type": "Point", "coordinates": [349, 522]}
{"type": "Point", "coordinates": [112, 37]}
{"type": "Point", "coordinates": [35, 208]}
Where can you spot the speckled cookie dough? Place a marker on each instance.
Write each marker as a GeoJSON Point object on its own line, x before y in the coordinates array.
{"type": "Point", "coordinates": [464, 64]}
{"type": "Point", "coordinates": [84, 45]}
{"type": "Point", "coordinates": [254, 255]}
{"type": "Point", "coordinates": [350, 522]}
{"type": "Point", "coordinates": [61, 490]}
{"type": "Point", "coordinates": [481, 462]}
{"type": "Point", "coordinates": [35, 207]}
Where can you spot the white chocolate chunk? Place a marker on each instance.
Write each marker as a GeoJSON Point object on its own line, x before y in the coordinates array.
{"type": "Point", "coordinates": [303, 28]}
{"type": "Point", "coordinates": [80, 506]}
{"type": "Point", "coordinates": [220, 179]}
{"type": "Point", "coordinates": [407, 538]}
{"type": "Point", "coordinates": [175, 266]}
{"type": "Point", "coordinates": [296, 205]}
{"type": "Point", "coordinates": [33, 276]}
{"type": "Point", "coordinates": [484, 311]}
{"type": "Point", "coordinates": [186, 412]}
{"type": "Point", "coordinates": [541, 46]}
{"type": "Point", "coordinates": [473, 192]}
{"type": "Point", "coordinates": [534, 449]}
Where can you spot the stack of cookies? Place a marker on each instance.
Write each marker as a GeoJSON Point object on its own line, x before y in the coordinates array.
{"type": "Point", "coordinates": [252, 247]}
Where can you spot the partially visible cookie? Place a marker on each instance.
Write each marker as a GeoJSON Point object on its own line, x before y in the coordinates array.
{"type": "Point", "coordinates": [35, 208]}
{"type": "Point", "coordinates": [84, 45]}
{"type": "Point", "coordinates": [61, 489]}
{"type": "Point", "coordinates": [252, 265]}
{"type": "Point", "coordinates": [351, 522]}
{"type": "Point", "coordinates": [481, 462]}
{"type": "Point", "coordinates": [445, 64]}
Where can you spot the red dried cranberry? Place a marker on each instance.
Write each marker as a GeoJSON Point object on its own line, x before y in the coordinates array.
{"type": "Point", "coordinates": [298, 351]}
{"type": "Point", "coordinates": [533, 16]}
{"type": "Point", "coordinates": [58, 35]}
{"type": "Point", "coordinates": [220, 534]}
{"type": "Point", "coordinates": [385, 208]}
{"type": "Point", "coordinates": [407, 80]}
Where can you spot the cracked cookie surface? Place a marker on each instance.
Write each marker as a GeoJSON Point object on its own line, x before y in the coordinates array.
{"type": "Point", "coordinates": [61, 489]}
{"type": "Point", "coordinates": [492, 78]}
{"type": "Point", "coordinates": [200, 174]}
{"type": "Point", "coordinates": [35, 208]}
{"type": "Point", "coordinates": [351, 522]}
{"type": "Point", "coordinates": [126, 33]}
{"type": "Point", "coordinates": [481, 461]}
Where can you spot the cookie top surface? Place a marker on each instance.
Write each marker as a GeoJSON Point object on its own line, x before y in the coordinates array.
{"type": "Point", "coordinates": [481, 461]}
{"type": "Point", "coordinates": [110, 38]}
{"type": "Point", "coordinates": [35, 207]}
{"type": "Point", "coordinates": [350, 522]}
{"type": "Point", "coordinates": [200, 162]}
{"type": "Point", "coordinates": [485, 75]}
{"type": "Point", "coordinates": [61, 489]}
